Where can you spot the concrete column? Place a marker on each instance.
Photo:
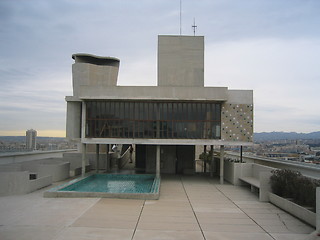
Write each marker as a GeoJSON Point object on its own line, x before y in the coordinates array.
{"type": "Point", "coordinates": [158, 161]}
{"type": "Point", "coordinates": [221, 163]}
{"type": "Point", "coordinates": [212, 161]}
{"type": "Point", "coordinates": [83, 120]}
{"type": "Point", "coordinates": [158, 121]}
{"type": "Point", "coordinates": [204, 162]}
{"type": "Point", "coordinates": [318, 209]}
{"type": "Point", "coordinates": [107, 158]}
{"type": "Point", "coordinates": [97, 157]}
{"type": "Point", "coordinates": [83, 135]}
{"type": "Point", "coordinates": [84, 153]}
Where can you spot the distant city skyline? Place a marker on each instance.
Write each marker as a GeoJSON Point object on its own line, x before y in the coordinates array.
{"type": "Point", "coordinates": [270, 46]}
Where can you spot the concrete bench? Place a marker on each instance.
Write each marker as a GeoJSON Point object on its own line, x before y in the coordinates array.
{"type": "Point", "coordinates": [254, 182]}
{"type": "Point", "coordinates": [258, 177]}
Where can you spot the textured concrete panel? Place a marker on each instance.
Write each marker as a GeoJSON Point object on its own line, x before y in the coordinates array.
{"type": "Point", "coordinates": [237, 122]}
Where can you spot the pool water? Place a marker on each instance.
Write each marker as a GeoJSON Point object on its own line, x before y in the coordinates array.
{"type": "Point", "coordinates": [113, 183]}
{"type": "Point", "coordinates": [132, 186]}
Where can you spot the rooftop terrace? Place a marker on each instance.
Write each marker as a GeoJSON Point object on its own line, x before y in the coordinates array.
{"type": "Point", "coordinates": [190, 207]}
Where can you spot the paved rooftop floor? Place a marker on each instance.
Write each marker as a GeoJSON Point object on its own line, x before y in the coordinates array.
{"type": "Point", "coordinates": [190, 207]}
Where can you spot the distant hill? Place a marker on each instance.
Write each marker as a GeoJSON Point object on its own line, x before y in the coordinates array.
{"type": "Point", "coordinates": [265, 136]}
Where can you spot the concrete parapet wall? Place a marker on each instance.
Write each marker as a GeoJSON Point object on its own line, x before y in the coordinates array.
{"type": "Point", "coordinates": [15, 178]}
{"type": "Point", "coordinates": [295, 209]}
{"type": "Point", "coordinates": [11, 168]}
{"type": "Point", "coordinates": [306, 169]}
{"type": "Point", "coordinates": [258, 169]}
{"type": "Point", "coordinates": [11, 158]}
{"type": "Point", "coordinates": [318, 209]}
{"type": "Point", "coordinates": [12, 183]}
{"type": "Point", "coordinates": [246, 170]}
{"type": "Point", "coordinates": [15, 183]}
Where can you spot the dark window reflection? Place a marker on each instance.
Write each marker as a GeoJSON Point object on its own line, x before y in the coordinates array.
{"type": "Point", "coordinates": [165, 120]}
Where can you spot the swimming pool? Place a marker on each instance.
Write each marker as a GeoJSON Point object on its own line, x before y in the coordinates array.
{"type": "Point", "coordinates": [136, 186]}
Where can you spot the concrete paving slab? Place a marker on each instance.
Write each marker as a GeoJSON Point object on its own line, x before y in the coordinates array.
{"type": "Point", "coordinates": [187, 206]}
{"type": "Point", "coordinates": [97, 223]}
{"type": "Point", "coordinates": [119, 202]}
{"type": "Point", "coordinates": [218, 210]}
{"type": "Point", "coordinates": [213, 199]}
{"type": "Point", "coordinates": [53, 212]}
{"type": "Point", "coordinates": [293, 222]}
{"type": "Point", "coordinates": [166, 218]}
{"type": "Point", "coordinates": [85, 233]}
{"type": "Point", "coordinates": [254, 204]}
{"type": "Point", "coordinates": [28, 232]}
{"type": "Point", "coordinates": [288, 230]}
{"type": "Point", "coordinates": [107, 207]}
{"type": "Point", "coordinates": [162, 235]}
{"type": "Point", "coordinates": [176, 226]}
{"type": "Point", "coordinates": [214, 215]}
{"type": "Point", "coordinates": [269, 222]}
{"type": "Point", "coordinates": [168, 207]}
{"type": "Point", "coordinates": [261, 210]}
{"type": "Point", "coordinates": [166, 203]}
{"type": "Point", "coordinates": [286, 216]}
{"type": "Point", "coordinates": [281, 236]}
{"type": "Point", "coordinates": [228, 221]}
{"type": "Point", "coordinates": [167, 213]}
{"type": "Point", "coordinates": [226, 204]}
{"type": "Point", "coordinates": [115, 211]}
{"type": "Point", "coordinates": [236, 235]}
{"type": "Point", "coordinates": [300, 229]}
{"type": "Point", "coordinates": [248, 228]}
{"type": "Point", "coordinates": [256, 216]}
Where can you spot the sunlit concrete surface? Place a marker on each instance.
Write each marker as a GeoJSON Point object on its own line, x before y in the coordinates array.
{"type": "Point", "coordinates": [190, 207]}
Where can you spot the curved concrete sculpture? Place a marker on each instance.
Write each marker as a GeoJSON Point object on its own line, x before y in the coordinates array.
{"type": "Point", "coordinates": [97, 60]}
{"type": "Point", "coordinates": [91, 70]}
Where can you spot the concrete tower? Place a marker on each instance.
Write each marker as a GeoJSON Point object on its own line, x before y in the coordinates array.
{"type": "Point", "coordinates": [31, 137]}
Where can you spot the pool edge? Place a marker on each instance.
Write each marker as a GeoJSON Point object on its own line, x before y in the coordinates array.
{"type": "Point", "coordinates": [55, 193]}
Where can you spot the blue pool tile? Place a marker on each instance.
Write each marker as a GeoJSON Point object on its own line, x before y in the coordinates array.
{"type": "Point", "coordinates": [113, 183]}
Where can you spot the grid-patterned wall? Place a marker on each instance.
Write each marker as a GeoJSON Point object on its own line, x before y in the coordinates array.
{"type": "Point", "coordinates": [237, 122]}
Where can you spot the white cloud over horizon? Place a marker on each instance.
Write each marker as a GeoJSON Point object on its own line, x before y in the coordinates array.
{"type": "Point", "coordinates": [269, 46]}
{"type": "Point", "coordinates": [283, 74]}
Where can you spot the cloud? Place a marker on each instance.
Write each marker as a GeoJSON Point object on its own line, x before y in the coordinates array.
{"type": "Point", "coordinates": [282, 73]}
{"type": "Point", "coordinates": [270, 46]}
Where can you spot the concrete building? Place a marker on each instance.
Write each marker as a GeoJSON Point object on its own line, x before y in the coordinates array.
{"type": "Point", "coordinates": [166, 121]}
{"type": "Point", "coordinates": [31, 139]}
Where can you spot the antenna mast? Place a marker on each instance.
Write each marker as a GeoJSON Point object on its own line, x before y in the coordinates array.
{"type": "Point", "coordinates": [194, 26]}
{"type": "Point", "coordinates": [180, 17]}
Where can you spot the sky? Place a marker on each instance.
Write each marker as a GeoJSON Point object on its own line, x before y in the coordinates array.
{"type": "Point", "coordinates": [269, 46]}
